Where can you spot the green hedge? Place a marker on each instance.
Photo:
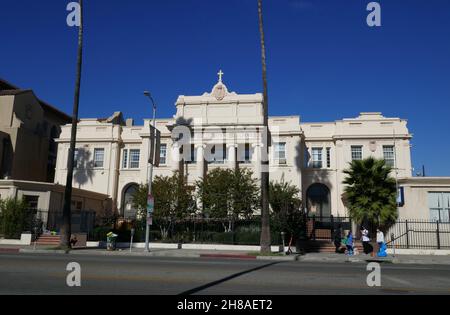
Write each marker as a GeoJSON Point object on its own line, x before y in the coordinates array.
{"type": "Point", "coordinates": [15, 218]}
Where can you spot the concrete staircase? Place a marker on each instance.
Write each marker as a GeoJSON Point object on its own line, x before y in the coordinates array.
{"type": "Point", "coordinates": [48, 240]}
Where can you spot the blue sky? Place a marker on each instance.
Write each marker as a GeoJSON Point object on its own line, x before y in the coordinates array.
{"type": "Point", "coordinates": [324, 62]}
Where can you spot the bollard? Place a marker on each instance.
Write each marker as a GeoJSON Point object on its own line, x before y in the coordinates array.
{"type": "Point", "coordinates": [393, 242]}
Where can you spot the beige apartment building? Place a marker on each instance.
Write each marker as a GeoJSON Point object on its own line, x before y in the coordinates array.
{"type": "Point", "coordinates": [28, 129]}
{"type": "Point", "coordinates": [223, 129]}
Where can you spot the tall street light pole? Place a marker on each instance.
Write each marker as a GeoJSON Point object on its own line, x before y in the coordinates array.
{"type": "Point", "coordinates": [151, 161]}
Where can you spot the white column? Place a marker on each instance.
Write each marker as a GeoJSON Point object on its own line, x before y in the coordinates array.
{"type": "Point", "coordinates": [232, 155]}
{"type": "Point", "coordinates": [256, 160]}
{"type": "Point", "coordinates": [200, 159]}
{"type": "Point", "coordinates": [175, 157]}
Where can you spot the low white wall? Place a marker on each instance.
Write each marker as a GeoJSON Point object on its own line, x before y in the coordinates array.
{"type": "Point", "coordinates": [430, 252]}
{"type": "Point", "coordinates": [218, 247]}
{"type": "Point", "coordinates": [25, 240]}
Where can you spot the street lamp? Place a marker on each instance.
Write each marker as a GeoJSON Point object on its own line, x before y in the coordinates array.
{"type": "Point", "coordinates": [150, 173]}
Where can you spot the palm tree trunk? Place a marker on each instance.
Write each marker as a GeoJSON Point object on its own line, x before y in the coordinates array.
{"type": "Point", "coordinates": [66, 228]}
{"type": "Point", "coordinates": [265, 215]}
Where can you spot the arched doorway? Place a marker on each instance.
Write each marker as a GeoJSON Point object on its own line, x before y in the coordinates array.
{"type": "Point", "coordinates": [318, 200]}
{"type": "Point", "coordinates": [129, 212]}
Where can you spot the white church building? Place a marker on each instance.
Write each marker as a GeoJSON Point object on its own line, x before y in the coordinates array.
{"type": "Point", "coordinates": [224, 130]}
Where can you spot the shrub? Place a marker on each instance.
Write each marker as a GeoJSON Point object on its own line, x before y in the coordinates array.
{"type": "Point", "coordinates": [14, 218]}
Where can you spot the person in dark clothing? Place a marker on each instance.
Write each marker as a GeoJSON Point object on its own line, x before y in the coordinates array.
{"type": "Point", "coordinates": [338, 239]}
{"type": "Point", "coordinates": [73, 241]}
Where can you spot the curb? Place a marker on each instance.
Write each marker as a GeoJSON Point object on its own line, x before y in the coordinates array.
{"type": "Point", "coordinates": [160, 254]}
{"type": "Point", "coordinates": [280, 258]}
{"type": "Point", "coordinates": [43, 251]}
{"type": "Point", "coordinates": [352, 260]}
{"type": "Point", "coordinates": [10, 250]}
{"type": "Point", "coordinates": [231, 256]}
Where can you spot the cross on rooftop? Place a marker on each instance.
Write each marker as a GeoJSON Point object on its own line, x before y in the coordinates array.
{"type": "Point", "coordinates": [220, 74]}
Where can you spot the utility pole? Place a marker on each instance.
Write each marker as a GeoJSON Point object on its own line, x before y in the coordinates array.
{"type": "Point", "coordinates": [151, 161]}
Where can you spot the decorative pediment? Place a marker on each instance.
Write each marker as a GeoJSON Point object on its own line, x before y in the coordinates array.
{"type": "Point", "coordinates": [219, 91]}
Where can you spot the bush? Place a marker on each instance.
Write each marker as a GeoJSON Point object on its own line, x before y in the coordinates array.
{"type": "Point", "coordinates": [14, 218]}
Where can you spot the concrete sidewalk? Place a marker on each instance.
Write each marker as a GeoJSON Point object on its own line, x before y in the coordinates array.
{"type": "Point", "coordinates": [181, 253]}
{"type": "Point", "coordinates": [215, 254]}
{"type": "Point", "coordinates": [397, 259]}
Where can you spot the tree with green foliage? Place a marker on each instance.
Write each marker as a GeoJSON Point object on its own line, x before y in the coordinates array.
{"type": "Point", "coordinates": [215, 194]}
{"type": "Point", "coordinates": [245, 194]}
{"type": "Point", "coordinates": [286, 203]}
{"type": "Point", "coordinates": [229, 194]}
{"type": "Point", "coordinates": [370, 192]}
{"type": "Point", "coordinates": [14, 217]}
{"type": "Point", "coordinates": [173, 201]}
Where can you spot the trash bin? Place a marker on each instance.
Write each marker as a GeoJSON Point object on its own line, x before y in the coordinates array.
{"type": "Point", "coordinates": [111, 241]}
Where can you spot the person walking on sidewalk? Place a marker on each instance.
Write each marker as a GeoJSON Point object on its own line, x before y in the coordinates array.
{"type": "Point", "coordinates": [349, 244]}
{"type": "Point", "coordinates": [366, 241]}
{"type": "Point", "coordinates": [380, 238]}
{"type": "Point", "coordinates": [338, 239]}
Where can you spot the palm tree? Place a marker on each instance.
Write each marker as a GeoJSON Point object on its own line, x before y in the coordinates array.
{"type": "Point", "coordinates": [66, 229]}
{"type": "Point", "coordinates": [265, 215]}
{"type": "Point", "coordinates": [370, 193]}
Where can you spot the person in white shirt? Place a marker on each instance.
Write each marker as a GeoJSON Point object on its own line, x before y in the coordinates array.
{"type": "Point", "coordinates": [366, 241]}
{"type": "Point", "coordinates": [380, 237]}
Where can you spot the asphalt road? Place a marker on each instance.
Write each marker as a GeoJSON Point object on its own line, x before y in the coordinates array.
{"type": "Point", "coordinates": [46, 274]}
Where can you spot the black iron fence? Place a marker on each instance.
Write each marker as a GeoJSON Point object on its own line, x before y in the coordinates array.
{"type": "Point", "coordinates": [419, 234]}
{"type": "Point", "coordinates": [83, 221]}
{"type": "Point", "coordinates": [199, 231]}
{"type": "Point", "coordinates": [405, 234]}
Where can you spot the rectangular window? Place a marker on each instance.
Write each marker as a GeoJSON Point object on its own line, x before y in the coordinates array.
{"type": "Point", "coordinates": [357, 153]}
{"type": "Point", "coordinates": [328, 157]}
{"type": "Point", "coordinates": [280, 152]}
{"type": "Point", "coordinates": [135, 156]}
{"type": "Point", "coordinates": [99, 157]}
{"type": "Point", "coordinates": [389, 155]}
{"type": "Point", "coordinates": [439, 204]}
{"type": "Point", "coordinates": [193, 156]}
{"type": "Point", "coordinates": [31, 201]}
{"type": "Point", "coordinates": [163, 154]}
{"type": "Point", "coordinates": [317, 157]}
{"type": "Point", "coordinates": [218, 152]}
{"type": "Point", "coordinates": [244, 153]}
{"type": "Point", "coordinates": [125, 158]}
{"type": "Point", "coordinates": [247, 153]}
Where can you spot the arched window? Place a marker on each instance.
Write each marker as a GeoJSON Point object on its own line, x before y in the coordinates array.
{"type": "Point", "coordinates": [129, 212]}
{"type": "Point", "coordinates": [318, 200]}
